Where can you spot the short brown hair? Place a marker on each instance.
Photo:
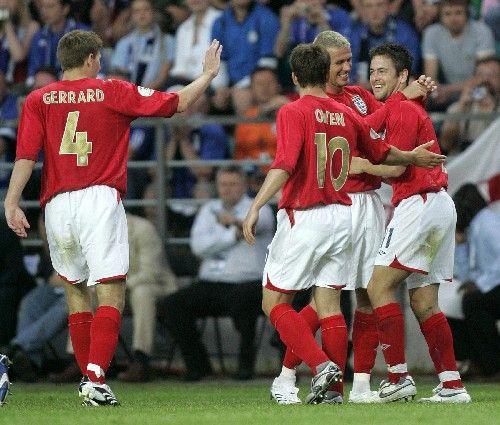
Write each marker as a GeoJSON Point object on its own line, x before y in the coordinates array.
{"type": "Point", "coordinates": [311, 64]}
{"type": "Point", "coordinates": [75, 46]}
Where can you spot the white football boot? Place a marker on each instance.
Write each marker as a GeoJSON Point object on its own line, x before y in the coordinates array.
{"type": "Point", "coordinates": [284, 391]}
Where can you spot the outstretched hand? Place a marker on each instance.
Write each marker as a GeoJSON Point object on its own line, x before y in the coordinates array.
{"type": "Point", "coordinates": [211, 63]}
{"type": "Point", "coordinates": [425, 158]}
{"type": "Point", "coordinates": [16, 220]}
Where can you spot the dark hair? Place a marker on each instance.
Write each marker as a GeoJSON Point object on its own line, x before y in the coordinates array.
{"type": "Point", "coordinates": [48, 69]}
{"type": "Point", "coordinates": [264, 68]}
{"type": "Point", "coordinates": [311, 64]}
{"type": "Point", "coordinates": [468, 202]}
{"type": "Point", "coordinates": [399, 55]}
{"type": "Point", "coordinates": [463, 3]}
{"type": "Point", "coordinates": [233, 169]}
{"type": "Point", "coordinates": [75, 46]}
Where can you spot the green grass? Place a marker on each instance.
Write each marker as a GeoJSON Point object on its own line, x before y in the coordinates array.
{"type": "Point", "coordinates": [226, 402]}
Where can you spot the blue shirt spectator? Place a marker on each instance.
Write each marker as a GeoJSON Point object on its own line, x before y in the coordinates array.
{"type": "Point", "coordinates": [379, 28]}
{"type": "Point", "coordinates": [209, 142]}
{"type": "Point", "coordinates": [304, 32]}
{"type": "Point", "coordinates": [54, 14]}
{"type": "Point", "coordinates": [247, 42]}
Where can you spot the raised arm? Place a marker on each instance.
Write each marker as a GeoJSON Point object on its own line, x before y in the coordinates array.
{"type": "Point", "coordinates": [189, 94]}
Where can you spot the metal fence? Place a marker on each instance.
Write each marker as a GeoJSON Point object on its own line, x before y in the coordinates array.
{"type": "Point", "coordinates": [161, 167]}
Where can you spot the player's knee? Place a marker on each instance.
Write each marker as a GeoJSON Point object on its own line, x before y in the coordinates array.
{"type": "Point", "coordinates": [423, 309]}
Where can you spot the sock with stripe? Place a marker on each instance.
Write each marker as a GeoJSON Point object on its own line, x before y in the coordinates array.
{"type": "Point", "coordinates": [391, 333]}
{"type": "Point", "coordinates": [439, 339]}
{"type": "Point", "coordinates": [104, 338]}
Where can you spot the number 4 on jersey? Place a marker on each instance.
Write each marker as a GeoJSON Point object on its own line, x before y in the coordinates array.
{"type": "Point", "coordinates": [79, 147]}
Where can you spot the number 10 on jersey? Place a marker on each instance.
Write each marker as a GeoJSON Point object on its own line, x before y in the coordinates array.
{"type": "Point", "coordinates": [324, 155]}
{"type": "Point", "coordinates": [79, 147]}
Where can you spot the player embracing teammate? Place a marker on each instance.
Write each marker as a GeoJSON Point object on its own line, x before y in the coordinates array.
{"type": "Point", "coordinates": [311, 247]}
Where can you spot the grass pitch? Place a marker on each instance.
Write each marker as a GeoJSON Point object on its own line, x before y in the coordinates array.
{"type": "Point", "coordinates": [227, 402]}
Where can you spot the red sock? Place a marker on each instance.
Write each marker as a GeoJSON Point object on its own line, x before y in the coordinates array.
{"type": "Point", "coordinates": [334, 339]}
{"type": "Point", "coordinates": [79, 331]}
{"type": "Point", "coordinates": [291, 360]}
{"type": "Point", "coordinates": [391, 332]}
{"type": "Point", "coordinates": [104, 337]}
{"type": "Point", "coordinates": [439, 339]}
{"type": "Point", "coordinates": [295, 333]}
{"type": "Point", "coordinates": [364, 341]}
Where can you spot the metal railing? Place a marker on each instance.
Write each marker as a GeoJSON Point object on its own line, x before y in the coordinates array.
{"type": "Point", "coordinates": [161, 167]}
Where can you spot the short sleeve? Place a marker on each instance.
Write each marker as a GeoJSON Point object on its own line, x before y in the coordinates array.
{"type": "Point", "coordinates": [31, 132]}
{"type": "Point", "coordinates": [290, 130]}
{"type": "Point", "coordinates": [429, 42]}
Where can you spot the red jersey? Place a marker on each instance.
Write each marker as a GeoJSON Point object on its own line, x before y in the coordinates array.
{"type": "Point", "coordinates": [365, 105]}
{"type": "Point", "coordinates": [408, 126]}
{"type": "Point", "coordinates": [83, 128]}
{"type": "Point", "coordinates": [316, 137]}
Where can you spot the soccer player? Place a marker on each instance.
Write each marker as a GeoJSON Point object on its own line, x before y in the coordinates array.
{"type": "Point", "coordinates": [82, 125]}
{"type": "Point", "coordinates": [418, 246]}
{"type": "Point", "coordinates": [368, 223]}
{"type": "Point", "coordinates": [312, 243]}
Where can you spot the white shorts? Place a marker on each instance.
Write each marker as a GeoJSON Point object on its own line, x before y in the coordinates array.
{"type": "Point", "coordinates": [368, 221]}
{"type": "Point", "coordinates": [310, 248]}
{"type": "Point", "coordinates": [420, 238]}
{"type": "Point", "coordinates": [87, 235]}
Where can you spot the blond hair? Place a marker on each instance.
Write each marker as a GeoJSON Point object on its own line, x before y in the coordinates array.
{"type": "Point", "coordinates": [328, 39]}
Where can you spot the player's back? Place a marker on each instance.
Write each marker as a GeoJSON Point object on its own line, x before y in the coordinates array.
{"type": "Point", "coordinates": [315, 139]}
{"type": "Point", "coordinates": [83, 127]}
{"type": "Point", "coordinates": [408, 126]}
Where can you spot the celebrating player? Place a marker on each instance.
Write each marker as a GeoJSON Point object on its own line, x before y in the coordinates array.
{"type": "Point", "coordinates": [368, 218]}
{"type": "Point", "coordinates": [418, 244]}
{"type": "Point", "coordinates": [312, 243]}
{"type": "Point", "coordinates": [82, 125]}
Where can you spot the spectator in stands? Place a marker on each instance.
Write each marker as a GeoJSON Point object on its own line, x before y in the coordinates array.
{"type": "Point", "coordinates": [191, 41]}
{"type": "Point", "coordinates": [480, 94]}
{"type": "Point", "coordinates": [452, 47]}
{"type": "Point", "coordinates": [148, 280]}
{"type": "Point", "coordinates": [468, 202]}
{"type": "Point", "coordinates": [247, 30]}
{"type": "Point", "coordinates": [42, 315]}
{"type": "Point", "coordinates": [229, 278]}
{"type": "Point", "coordinates": [194, 142]}
{"type": "Point", "coordinates": [56, 23]}
{"type": "Point", "coordinates": [481, 301]}
{"type": "Point", "coordinates": [481, 286]}
{"type": "Point", "coordinates": [303, 20]}
{"type": "Point", "coordinates": [146, 53]}
{"type": "Point", "coordinates": [17, 28]}
{"type": "Point", "coordinates": [15, 281]}
{"type": "Point", "coordinates": [8, 111]}
{"type": "Point", "coordinates": [379, 27]}
{"type": "Point", "coordinates": [258, 140]}
{"type": "Point", "coordinates": [490, 12]}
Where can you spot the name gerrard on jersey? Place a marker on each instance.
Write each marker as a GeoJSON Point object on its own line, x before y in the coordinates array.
{"type": "Point", "coordinates": [82, 96]}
